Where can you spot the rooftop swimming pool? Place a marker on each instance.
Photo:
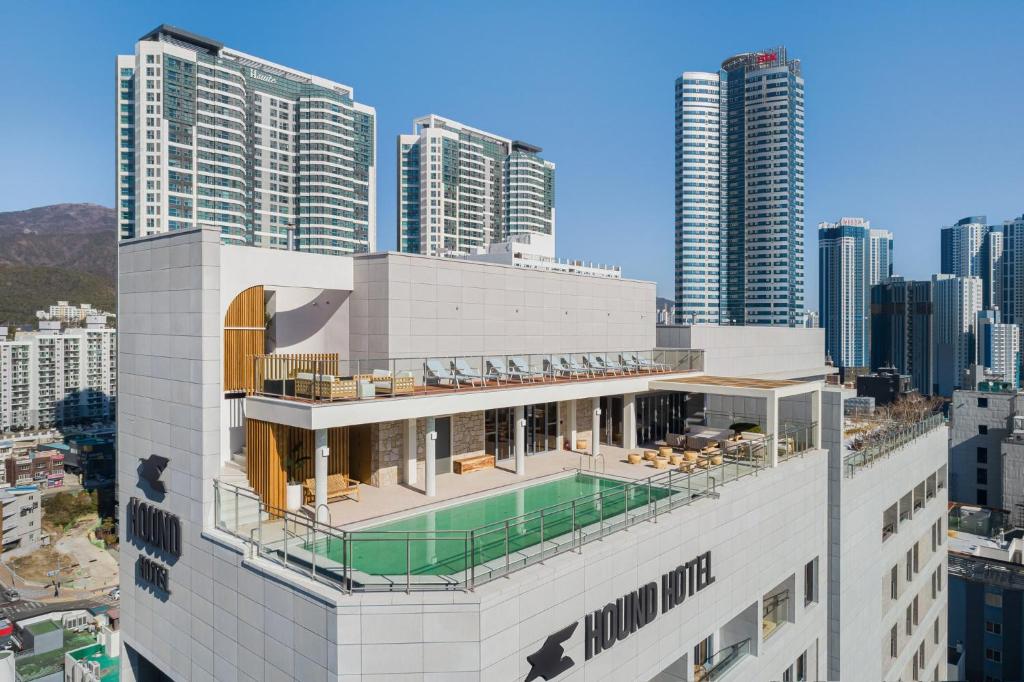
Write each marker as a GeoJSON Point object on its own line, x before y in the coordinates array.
{"type": "Point", "coordinates": [452, 539]}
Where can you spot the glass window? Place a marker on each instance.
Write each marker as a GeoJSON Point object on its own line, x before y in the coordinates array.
{"type": "Point", "coordinates": [982, 429]}
{"type": "Point", "coordinates": [982, 455]}
{"type": "Point", "coordinates": [982, 402]}
{"type": "Point", "coordinates": [810, 582]}
{"type": "Point", "coordinates": [993, 627]}
{"type": "Point", "coordinates": [994, 655]}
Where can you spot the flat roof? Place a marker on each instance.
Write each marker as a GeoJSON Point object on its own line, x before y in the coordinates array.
{"type": "Point", "coordinates": [737, 382]}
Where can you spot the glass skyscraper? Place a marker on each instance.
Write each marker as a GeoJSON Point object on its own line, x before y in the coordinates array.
{"type": "Point", "coordinates": [739, 225]}
{"type": "Point", "coordinates": [211, 137]}
{"type": "Point", "coordinates": [459, 189]}
{"type": "Point", "coordinates": [843, 279]}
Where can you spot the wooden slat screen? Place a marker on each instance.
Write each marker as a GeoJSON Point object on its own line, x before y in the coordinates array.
{"type": "Point", "coordinates": [244, 332]}
{"type": "Point", "coordinates": [268, 446]}
{"type": "Point", "coordinates": [285, 365]}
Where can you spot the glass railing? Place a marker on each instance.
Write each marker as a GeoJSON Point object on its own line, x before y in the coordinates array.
{"type": "Point", "coordinates": [773, 613]}
{"type": "Point", "coordinates": [369, 560]}
{"type": "Point", "coordinates": [722, 661]}
{"type": "Point", "coordinates": [888, 441]}
{"type": "Point", "coordinates": [326, 377]}
{"type": "Point", "coordinates": [796, 439]}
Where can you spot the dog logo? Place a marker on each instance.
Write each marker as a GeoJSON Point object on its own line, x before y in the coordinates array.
{"type": "Point", "coordinates": [550, 660]}
{"type": "Point", "coordinates": [150, 471]}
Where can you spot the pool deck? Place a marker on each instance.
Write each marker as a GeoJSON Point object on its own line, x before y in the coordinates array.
{"type": "Point", "coordinates": [380, 504]}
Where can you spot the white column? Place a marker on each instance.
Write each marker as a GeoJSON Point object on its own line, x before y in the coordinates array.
{"type": "Point", "coordinates": [572, 424]}
{"type": "Point", "coordinates": [772, 419]}
{"type": "Point", "coordinates": [816, 417]}
{"type": "Point", "coordinates": [321, 457]}
{"type": "Point", "coordinates": [410, 451]}
{"type": "Point", "coordinates": [595, 429]}
{"type": "Point", "coordinates": [629, 421]}
{"type": "Point", "coordinates": [520, 418]}
{"type": "Point", "coordinates": [430, 468]}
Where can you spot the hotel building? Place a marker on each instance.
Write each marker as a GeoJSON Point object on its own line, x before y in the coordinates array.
{"type": "Point", "coordinates": [739, 141]}
{"type": "Point", "coordinates": [215, 138]}
{"type": "Point", "coordinates": [396, 464]}
{"type": "Point", "coordinates": [460, 189]}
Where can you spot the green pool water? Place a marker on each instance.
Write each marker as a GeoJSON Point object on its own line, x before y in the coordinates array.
{"type": "Point", "coordinates": [439, 543]}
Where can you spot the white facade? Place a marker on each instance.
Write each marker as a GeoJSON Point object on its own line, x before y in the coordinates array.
{"type": "Point", "coordinates": [460, 188]}
{"type": "Point", "coordinates": [698, 184]}
{"type": "Point", "coordinates": [730, 128]}
{"type": "Point", "coordinates": [998, 348]}
{"type": "Point", "coordinates": [65, 312]}
{"type": "Point", "coordinates": [236, 609]}
{"type": "Point", "coordinates": [535, 251]}
{"type": "Point", "coordinates": [50, 378]}
{"type": "Point", "coordinates": [208, 136]}
{"type": "Point", "coordinates": [887, 568]}
{"type": "Point", "coordinates": [880, 265]}
{"type": "Point", "coordinates": [956, 304]}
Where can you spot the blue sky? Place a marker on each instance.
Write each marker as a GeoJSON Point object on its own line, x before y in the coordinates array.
{"type": "Point", "coordinates": [913, 109]}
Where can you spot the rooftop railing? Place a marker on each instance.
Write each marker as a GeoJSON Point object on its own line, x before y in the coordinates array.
{"type": "Point", "coordinates": [325, 377]}
{"type": "Point", "coordinates": [889, 441]}
{"type": "Point", "coordinates": [376, 560]}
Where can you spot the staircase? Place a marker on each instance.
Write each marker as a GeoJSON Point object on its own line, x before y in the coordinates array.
{"type": "Point", "coordinates": [246, 515]}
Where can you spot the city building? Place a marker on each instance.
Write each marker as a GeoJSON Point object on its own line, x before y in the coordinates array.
{"type": "Point", "coordinates": [986, 593]}
{"type": "Point", "coordinates": [998, 347]}
{"type": "Point", "coordinates": [885, 386]}
{"type": "Point", "coordinates": [73, 314]}
{"type": "Point", "coordinates": [698, 229]}
{"type": "Point", "coordinates": [880, 261]}
{"type": "Point", "coordinates": [961, 247]}
{"type": "Point", "coordinates": [982, 419]}
{"type": "Point", "coordinates": [845, 250]}
{"type": "Point", "coordinates": [886, 570]}
{"type": "Point", "coordinates": [488, 375]}
{"type": "Point", "coordinates": [54, 377]}
{"type": "Point", "coordinates": [993, 261]}
{"type": "Point", "coordinates": [956, 302]}
{"type": "Point", "coordinates": [460, 189]}
{"type": "Point", "coordinates": [22, 519]}
{"type": "Point", "coordinates": [745, 252]}
{"type": "Point", "coordinates": [267, 155]}
{"type": "Point", "coordinates": [99, 662]}
{"type": "Point", "coordinates": [43, 467]}
{"type": "Point", "coordinates": [449, 400]}
{"type": "Point", "coordinates": [1012, 301]}
{"type": "Point", "coordinates": [901, 330]}
{"type": "Point", "coordinates": [531, 251]}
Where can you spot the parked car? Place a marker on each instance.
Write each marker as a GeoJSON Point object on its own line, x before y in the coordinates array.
{"type": "Point", "coordinates": [11, 595]}
{"type": "Point", "coordinates": [115, 593]}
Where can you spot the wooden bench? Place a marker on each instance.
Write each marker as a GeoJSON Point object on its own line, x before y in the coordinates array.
{"type": "Point", "coordinates": [338, 486]}
{"type": "Point", "coordinates": [476, 463]}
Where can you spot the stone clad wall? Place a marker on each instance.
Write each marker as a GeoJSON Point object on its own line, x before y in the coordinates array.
{"type": "Point", "coordinates": [467, 434]}
{"type": "Point", "coordinates": [585, 421]}
{"type": "Point", "coordinates": [389, 445]}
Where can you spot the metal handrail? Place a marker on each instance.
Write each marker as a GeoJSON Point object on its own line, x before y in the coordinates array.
{"type": "Point", "coordinates": [894, 439]}
{"type": "Point", "coordinates": [318, 534]}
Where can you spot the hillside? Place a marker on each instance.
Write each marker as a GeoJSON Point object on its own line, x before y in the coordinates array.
{"type": "Point", "coordinates": [60, 252]}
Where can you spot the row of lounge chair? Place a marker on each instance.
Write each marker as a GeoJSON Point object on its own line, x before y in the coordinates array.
{"type": "Point", "coordinates": [458, 372]}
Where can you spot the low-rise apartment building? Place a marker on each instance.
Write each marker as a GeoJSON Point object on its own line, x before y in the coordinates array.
{"type": "Point", "coordinates": [22, 519]}
{"type": "Point", "coordinates": [400, 465]}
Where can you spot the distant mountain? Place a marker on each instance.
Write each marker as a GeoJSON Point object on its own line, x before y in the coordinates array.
{"type": "Point", "coordinates": [662, 302]}
{"type": "Point", "coordinates": [62, 252]}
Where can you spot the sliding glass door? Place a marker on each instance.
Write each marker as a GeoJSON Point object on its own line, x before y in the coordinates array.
{"type": "Point", "coordinates": [541, 430]}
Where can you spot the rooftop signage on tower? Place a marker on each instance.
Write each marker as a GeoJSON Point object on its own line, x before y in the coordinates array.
{"type": "Point", "coordinates": [767, 58]}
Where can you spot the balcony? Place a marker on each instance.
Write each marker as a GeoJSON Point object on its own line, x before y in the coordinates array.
{"type": "Point", "coordinates": [886, 440]}
{"type": "Point", "coordinates": [325, 378]}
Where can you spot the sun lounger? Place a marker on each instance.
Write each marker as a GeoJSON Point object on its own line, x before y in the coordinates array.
{"type": "Point", "coordinates": [523, 369]}
{"type": "Point", "coordinates": [435, 373]}
{"type": "Point", "coordinates": [465, 373]}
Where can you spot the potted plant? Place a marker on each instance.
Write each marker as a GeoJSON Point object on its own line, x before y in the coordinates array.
{"type": "Point", "coordinates": [293, 491]}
